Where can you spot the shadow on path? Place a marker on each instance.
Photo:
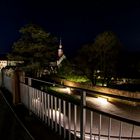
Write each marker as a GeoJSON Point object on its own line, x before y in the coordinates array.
{"type": "Point", "coordinates": [12, 129]}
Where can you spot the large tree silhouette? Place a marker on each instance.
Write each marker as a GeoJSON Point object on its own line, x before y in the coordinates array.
{"type": "Point", "coordinates": [108, 48]}
{"type": "Point", "coordinates": [35, 47]}
{"type": "Point", "coordinates": [101, 55]}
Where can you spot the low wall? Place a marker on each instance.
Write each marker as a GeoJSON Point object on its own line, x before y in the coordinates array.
{"type": "Point", "coordinates": [134, 95]}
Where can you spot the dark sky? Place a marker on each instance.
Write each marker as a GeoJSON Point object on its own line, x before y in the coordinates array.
{"type": "Point", "coordinates": [76, 22]}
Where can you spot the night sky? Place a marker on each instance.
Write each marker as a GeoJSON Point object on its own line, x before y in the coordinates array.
{"type": "Point", "coordinates": [76, 23]}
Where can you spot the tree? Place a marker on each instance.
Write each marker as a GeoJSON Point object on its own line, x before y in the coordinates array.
{"type": "Point", "coordinates": [35, 47]}
{"type": "Point", "coordinates": [68, 71]}
{"type": "Point", "coordinates": [86, 61]}
{"type": "Point", "coordinates": [108, 48]}
{"type": "Point", "coordinates": [65, 69]}
{"type": "Point", "coordinates": [100, 55]}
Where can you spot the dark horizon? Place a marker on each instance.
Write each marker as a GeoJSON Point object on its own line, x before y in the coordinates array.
{"type": "Point", "coordinates": [76, 23]}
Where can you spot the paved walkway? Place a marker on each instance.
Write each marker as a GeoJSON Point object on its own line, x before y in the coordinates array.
{"type": "Point", "coordinates": [12, 129]}
{"type": "Point", "coordinates": [115, 108]}
{"type": "Point", "coordinates": [118, 109]}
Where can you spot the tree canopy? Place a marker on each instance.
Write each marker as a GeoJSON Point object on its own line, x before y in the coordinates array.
{"type": "Point", "coordinates": [69, 72]}
{"type": "Point", "coordinates": [35, 47]}
{"type": "Point", "coordinates": [86, 61]}
{"type": "Point", "coordinates": [108, 47]}
{"type": "Point", "coordinates": [101, 55]}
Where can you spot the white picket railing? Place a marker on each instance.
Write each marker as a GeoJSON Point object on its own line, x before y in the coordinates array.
{"type": "Point", "coordinates": [74, 120]}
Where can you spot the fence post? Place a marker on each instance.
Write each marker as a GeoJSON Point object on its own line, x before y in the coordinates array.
{"type": "Point", "coordinates": [22, 77]}
{"type": "Point", "coordinates": [83, 116]}
{"type": "Point", "coordinates": [29, 81]}
{"type": "Point", "coordinates": [2, 77]}
{"type": "Point", "coordinates": [16, 88]}
{"type": "Point", "coordinates": [29, 95]}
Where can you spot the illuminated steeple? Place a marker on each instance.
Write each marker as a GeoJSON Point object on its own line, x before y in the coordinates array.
{"type": "Point", "coordinates": [60, 44]}
{"type": "Point", "coordinates": [61, 55]}
{"type": "Point", "coordinates": [60, 50]}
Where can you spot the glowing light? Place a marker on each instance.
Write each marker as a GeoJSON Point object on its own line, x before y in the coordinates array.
{"type": "Point", "coordinates": [105, 85]}
{"type": "Point", "coordinates": [102, 100]}
{"type": "Point", "coordinates": [68, 90]}
{"type": "Point", "coordinates": [55, 115]}
{"type": "Point", "coordinates": [98, 77]}
{"type": "Point", "coordinates": [65, 90]}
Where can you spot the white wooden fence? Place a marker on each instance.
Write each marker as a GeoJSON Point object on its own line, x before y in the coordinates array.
{"type": "Point", "coordinates": [73, 120]}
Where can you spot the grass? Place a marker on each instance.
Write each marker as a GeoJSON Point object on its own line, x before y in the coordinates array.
{"type": "Point", "coordinates": [76, 78]}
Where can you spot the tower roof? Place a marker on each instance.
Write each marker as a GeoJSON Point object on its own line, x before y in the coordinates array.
{"type": "Point", "coordinates": [60, 44]}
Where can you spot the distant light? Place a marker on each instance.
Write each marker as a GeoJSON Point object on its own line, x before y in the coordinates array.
{"type": "Point", "coordinates": [105, 85]}
{"type": "Point", "coordinates": [102, 100]}
{"type": "Point", "coordinates": [112, 78]}
{"type": "Point", "coordinates": [98, 77]}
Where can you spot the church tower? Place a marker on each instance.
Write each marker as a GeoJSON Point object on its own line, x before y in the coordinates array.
{"type": "Point", "coordinates": [60, 50]}
{"type": "Point", "coordinates": [61, 55]}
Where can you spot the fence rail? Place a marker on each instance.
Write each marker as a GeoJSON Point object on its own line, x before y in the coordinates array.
{"type": "Point", "coordinates": [70, 119]}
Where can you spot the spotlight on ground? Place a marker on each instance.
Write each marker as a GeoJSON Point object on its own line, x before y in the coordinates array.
{"type": "Point", "coordinates": [102, 100]}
